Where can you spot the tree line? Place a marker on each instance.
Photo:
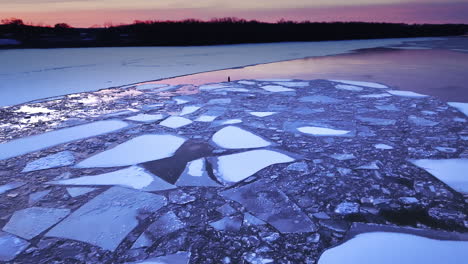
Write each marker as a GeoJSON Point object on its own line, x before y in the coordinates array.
{"type": "Point", "coordinates": [214, 32]}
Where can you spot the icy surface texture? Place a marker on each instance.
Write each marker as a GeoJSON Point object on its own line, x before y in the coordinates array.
{"type": "Point", "coordinates": [61, 159]}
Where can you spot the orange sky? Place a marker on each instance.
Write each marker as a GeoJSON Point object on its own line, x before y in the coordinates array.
{"type": "Point", "coordinates": [86, 13]}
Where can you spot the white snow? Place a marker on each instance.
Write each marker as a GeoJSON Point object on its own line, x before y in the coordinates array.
{"type": "Point", "coordinates": [78, 191]}
{"type": "Point", "coordinates": [231, 121]}
{"type": "Point", "coordinates": [406, 93]}
{"type": "Point", "coordinates": [132, 177]}
{"type": "Point", "coordinates": [180, 101]}
{"type": "Point", "coordinates": [146, 118]}
{"type": "Point", "coordinates": [206, 118]}
{"type": "Point", "coordinates": [348, 87]}
{"type": "Point", "coordinates": [262, 114]}
{"type": "Point", "coordinates": [364, 84]}
{"type": "Point", "coordinates": [196, 168]}
{"type": "Point", "coordinates": [189, 109]}
{"type": "Point", "coordinates": [149, 86]}
{"type": "Point", "coordinates": [236, 167]}
{"type": "Point", "coordinates": [52, 72]}
{"type": "Point", "coordinates": [33, 143]}
{"type": "Point", "coordinates": [232, 137]}
{"type": "Point", "coordinates": [246, 82]}
{"type": "Point", "coordinates": [61, 159]}
{"type": "Point", "coordinates": [383, 95]}
{"type": "Point", "coordinates": [382, 146]}
{"type": "Point", "coordinates": [462, 107]}
{"type": "Point", "coordinates": [450, 171]}
{"type": "Point", "coordinates": [322, 131]}
{"type": "Point", "coordinates": [34, 110]}
{"type": "Point", "coordinates": [137, 150]}
{"type": "Point", "coordinates": [175, 122]}
{"type": "Point", "coordinates": [390, 248]}
{"type": "Point", "coordinates": [293, 84]}
{"type": "Point", "coordinates": [276, 88]}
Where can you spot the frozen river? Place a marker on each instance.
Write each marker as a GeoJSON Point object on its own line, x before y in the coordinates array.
{"type": "Point", "coordinates": [32, 74]}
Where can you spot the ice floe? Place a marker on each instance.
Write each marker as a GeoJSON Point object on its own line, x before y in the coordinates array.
{"type": "Point", "coordinates": [78, 191]}
{"type": "Point", "coordinates": [25, 145]}
{"type": "Point", "coordinates": [61, 159]}
{"type": "Point", "coordinates": [177, 258]}
{"type": "Point", "coordinates": [348, 87]}
{"type": "Point", "coordinates": [137, 150]}
{"type": "Point", "coordinates": [231, 122]}
{"type": "Point", "coordinates": [262, 114]}
{"type": "Point", "coordinates": [271, 205]}
{"type": "Point", "coordinates": [381, 95]}
{"type": "Point", "coordinates": [319, 99]}
{"type": "Point", "coordinates": [322, 131]}
{"type": "Point", "coordinates": [30, 222]}
{"type": "Point", "coordinates": [364, 84]}
{"type": "Point", "coordinates": [11, 246]}
{"type": "Point", "coordinates": [132, 177]}
{"type": "Point", "coordinates": [219, 101]}
{"type": "Point", "coordinates": [387, 107]}
{"type": "Point", "coordinates": [96, 222]}
{"type": "Point", "coordinates": [37, 196]}
{"type": "Point", "coordinates": [389, 248]}
{"type": "Point", "coordinates": [276, 88]}
{"type": "Point", "coordinates": [382, 146]}
{"type": "Point", "coordinates": [450, 171]}
{"type": "Point", "coordinates": [195, 175]}
{"type": "Point", "coordinates": [419, 121]}
{"type": "Point", "coordinates": [232, 137]}
{"type": "Point", "coordinates": [34, 110]}
{"type": "Point", "coordinates": [462, 107]}
{"type": "Point", "coordinates": [175, 122]}
{"type": "Point", "coordinates": [377, 121]}
{"type": "Point", "coordinates": [246, 82]}
{"type": "Point", "coordinates": [293, 84]}
{"type": "Point", "coordinates": [206, 118]}
{"type": "Point", "coordinates": [406, 94]}
{"type": "Point", "coordinates": [236, 167]}
{"type": "Point", "coordinates": [164, 225]}
{"type": "Point", "coordinates": [275, 80]}
{"type": "Point", "coordinates": [228, 223]}
{"type": "Point", "coordinates": [10, 186]}
{"type": "Point", "coordinates": [189, 110]}
{"type": "Point", "coordinates": [146, 118]}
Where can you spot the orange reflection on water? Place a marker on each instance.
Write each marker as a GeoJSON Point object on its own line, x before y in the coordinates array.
{"type": "Point", "coordinates": [439, 73]}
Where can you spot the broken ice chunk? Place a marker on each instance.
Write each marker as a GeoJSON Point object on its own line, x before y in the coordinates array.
{"type": "Point", "coordinates": [274, 80]}
{"type": "Point", "coordinates": [132, 177]}
{"type": "Point", "coordinates": [348, 87]}
{"type": "Point", "coordinates": [96, 222]}
{"type": "Point", "coordinates": [37, 196]}
{"type": "Point", "coordinates": [232, 137]}
{"type": "Point", "coordinates": [319, 99]}
{"type": "Point", "coordinates": [164, 225]}
{"type": "Point", "coordinates": [293, 84]}
{"type": "Point", "coordinates": [381, 247]}
{"type": "Point", "coordinates": [252, 220]}
{"type": "Point", "coordinates": [446, 149]}
{"type": "Point", "coordinates": [145, 118]}
{"type": "Point", "coordinates": [178, 258]}
{"type": "Point", "coordinates": [377, 121]}
{"type": "Point", "coordinates": [276, 88]}
{"type": "Point", "coordinates": [236, 167]}
{"type": "Point", "coordinates": [462, 107]}
{"type": "Point", "coordinates": [10, 186]}
{"type": "Point", "coordinates": [11, 246]}
{"type": "Point", "coordinates": [364, 84]}
{"type": "Point", "coordinates": [387, 107]}
{"type": "Point", "coordinates": [189, 109]}
{"type": "Point", "coordinates": [247, 82]}
{"type": "Point", "coordinates": [61, 159]}
{"type": "Point", "coordinates": [228, 223]}
{"type": "Point", "coordinates": [231, 122]}
{"type": "Point", "coordinates": [450, 171]}
{"type": "Point", "coordinates": [195, 175]}
{"type": "Point", "coordinates": [262, 114]}
{"type": "Point", "coordinates": [406, 93]}
{"type": "Point", "coordinates": [206, 118]}
{"type": "Point", "coordinates": [345, 156]}
{"type": "Point", "coordinates": [175, 122]}
{"type": "Point", "coordinates": [382, 95]}
{"type": "Point", "coordinates": [219, 101]}
{"type": "Point", "coordinates": [382, 146]}
{"type": "Point", "coordinates": [137, 150]}
{"type": "Point", "coordinates": [419, 121]}
{"type": "Point", "coordinates": [370, 166]}
{"type": "Point", "coordinates": [25, 145]}
{"type": "Point", "coordinates": [272, 206]}
{"type": "Point", "coordinates": [322, 131]}
{"type": "Point", "coordinates": [78, 191]}
{"type": "Point", "coordinates": [30, 222]}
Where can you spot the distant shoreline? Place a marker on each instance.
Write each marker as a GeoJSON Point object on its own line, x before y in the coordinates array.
{"type": "Point", "coordinates": [217, 32]}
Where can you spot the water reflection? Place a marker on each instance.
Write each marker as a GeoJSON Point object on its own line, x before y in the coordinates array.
{"type": "Point", "coordinates": [440, 73]}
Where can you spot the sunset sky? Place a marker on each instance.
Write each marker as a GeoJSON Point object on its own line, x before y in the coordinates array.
{"type": "Point", "coordinates": [85, 13]}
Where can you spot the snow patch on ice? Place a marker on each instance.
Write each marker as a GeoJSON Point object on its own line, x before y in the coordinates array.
{"type": "Point", "coordinates": [189, 109]}
{"type": "Point", "coordinates": [236, 167]}
{"type": "Point", "coordinates": [389, 248]}
{"type": "Point", "coordinates": [364, 84]}
{"type": "Point", "coordinates": [137, 150]}
{"type": "Point", "coordinates": [175, 122]}
{"type": "Point", "coordinates": [383, 146]}
{"type": "Point", "coordinates": [231, 122]}
{"type": "Point", "coordinates": [147, 118]}
{"type": "Point", "coordinates": [450, 171]}
{"type": "Point", "coordinates": [34, 110]}
{"type": "Point", "coordinates": [322, 131]}
{"type": "Point", "coordinates": [276, 88]}
{"type": "Point", "coordinates": [49, 139]}
{"type": "Point", "coordinates": [232, 137]}
{"type": "Point", "coordinates": [262, 114]}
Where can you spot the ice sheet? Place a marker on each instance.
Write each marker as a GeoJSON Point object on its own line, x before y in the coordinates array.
{"type": "Point", "coordinates": [389, 248]}
{"type": "Point", "coordinates": [462, 107]}
{"type": "Point", "coordinates": [232, 137]}
{"type": "Point", "coordinates": [276, 88]}
{"type": "Point", "coordinates": [262, 114]}
{"type": "Point", "coordinates": [450, 171]}
{"type": "Point", "coordinates": [25, 145]}
{"type": "Point", "coordinates": [61, 159]}
{"type": "Point", "coordinates": [406, 94]}
{"type": "Point", "coordinates": [175, 122]}
{"type": "Point", "coordinates": [364, 84]}
{"type": "Point", "coordinates": [322, 131]}
{"type": "Point", "coordinates": [137, 150]}
{"type": "Point", "coordinates": [146, 118]}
